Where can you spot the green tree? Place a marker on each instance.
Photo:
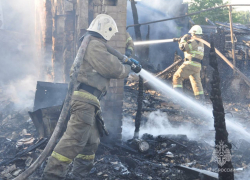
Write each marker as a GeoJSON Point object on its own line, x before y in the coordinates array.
{"type": "Point", "coordinates": [242, 17]}
{"type": "Point", "coordinates": [220, 14]}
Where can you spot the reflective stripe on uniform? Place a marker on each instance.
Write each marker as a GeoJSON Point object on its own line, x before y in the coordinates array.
{"type": "Point", "coordinates": [131, 48]}
{"type": "Point", "coordinates": [198, 93]}
{"type": "Point", "coordinates": [177, 86]}
{"type": "Point", "coordinates": [190, 47]}
{"type": "Point", "coordinates": [86, 96]}
{"type": "Point", "coordinates": [196, 52]}
{"type": "Point", "coordinates": [129, 39]}
{"type": "Point", "coordinates": [87, 157]}
{"type": "Point", "coordinates": [193, 63]}
{"type": "Point", "coordinates": [60, 157]}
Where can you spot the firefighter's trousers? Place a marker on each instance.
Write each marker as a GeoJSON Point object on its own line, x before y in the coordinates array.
{"type": "Point", "coordinates": [191, 70]}
{"type": "Point", "coordinates": [79, 142]}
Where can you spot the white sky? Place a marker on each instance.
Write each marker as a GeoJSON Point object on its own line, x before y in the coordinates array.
{"type": "Point", "coordinates": [245, 8]}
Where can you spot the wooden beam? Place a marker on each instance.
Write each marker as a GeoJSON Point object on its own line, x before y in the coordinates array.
{"type": "Point", "coordinates": [232, 36]}
{"type": "Point", "coordinates": [136, 21]}
{"type": "Point", "coordinates": [47, 41]}
{"type": "Point", "coordinates": [244, 77]}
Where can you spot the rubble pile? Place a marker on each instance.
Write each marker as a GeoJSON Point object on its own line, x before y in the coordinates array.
{"type": "Point", "coordinates": [152, 157]}
{"type": "Point", "coordinates": [18, 140]}
{"type": "Point", "coordinates": [160, 161]}
{"type": "Point", "coordinates": [154, 101]}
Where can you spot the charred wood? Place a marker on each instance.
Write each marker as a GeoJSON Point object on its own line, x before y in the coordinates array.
{"type": "Point", "coordinates": [125, 147]}
{"type": "Point", "coordinates": [205, 175]}
{"type": "Point", "coordinates": [68, 54]}
{"type": "Point", "coordinates": [47, 41]}
{"type": "Point", "coordinates": [139, 108]}
{"type": "Point", "coordinates": [136, 21]}
{"type": "Point", "coordinates": [63, 115]}
{"type": "Point", "coordinates": [221, 134]}
{"type": "Point", "coordinates": [209, 21]}
{"type": "Point", "coordinates": [164, 138]}
{"type": "Point", "coordinates": [24, 152]}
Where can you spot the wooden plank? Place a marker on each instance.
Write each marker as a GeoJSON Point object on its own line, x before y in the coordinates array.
{"type": "Point", "coordinates": [232, 35]}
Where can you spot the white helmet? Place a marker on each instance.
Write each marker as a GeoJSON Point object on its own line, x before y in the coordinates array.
{"type": "Point", "coordinates": [104, 25]}
{"type": "Point", "coordinates": [196, 29]}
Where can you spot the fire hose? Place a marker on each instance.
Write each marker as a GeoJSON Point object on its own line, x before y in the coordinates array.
{"type": "Point", "coordinates": [246, 79]}
{"type": "Point", "coordinates": [63, 115]}
{"type": "Point", "coordinates": [66, 106]}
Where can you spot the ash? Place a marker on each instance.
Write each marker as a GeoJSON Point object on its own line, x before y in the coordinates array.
{"type": "Point", "coordinates": [169, 149]}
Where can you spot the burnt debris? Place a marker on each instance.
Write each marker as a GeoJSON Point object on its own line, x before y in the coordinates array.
{"type": "Point", "coordinates": [139, 108]}
{"type": "Point", "coordinates": [164, 156]}
{"type": "Point", "coordinates": [222, 145]}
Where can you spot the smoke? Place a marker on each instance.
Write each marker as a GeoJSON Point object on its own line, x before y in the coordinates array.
{"type": "Point", "coordinates": [161, 9]}
{"type": "Point", "coordinates": [243, 175]}
{"type": "Point", "coordinates": [203, 111]}
{"type": "Point", "coordinates": [22, 92]}
{"type": "Point", "coordinates": [157, 124]}
{"type": "Point", "coordinates": [18, 64]}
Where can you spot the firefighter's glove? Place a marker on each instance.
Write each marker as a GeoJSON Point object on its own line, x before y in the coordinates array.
{"type": "Point", "coordinates": [176, 39]}
{"type": "Point", "coordinates": [136, 68]}
{"type": "Point", "coordinates": [128, 52]}
{"type": "Point", "coordinates": [186, 37]}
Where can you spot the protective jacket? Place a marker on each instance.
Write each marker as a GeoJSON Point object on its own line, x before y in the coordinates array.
{"type": "Point", "coordinates": [98, 67]}
{"type": "Point", "coordinates": [129, 45]}
{"type": "Point", "coordinates": [194, 53]}
{"type": "Point", "coordinates": [129, 42]}
{"type": "Point", "coordinates": [193, 49]}
{"type": "Point", "coordinates": [81, 138]}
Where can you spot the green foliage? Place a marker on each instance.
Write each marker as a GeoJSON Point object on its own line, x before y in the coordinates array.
{"type": "Point", "coordinates": [242, 17]}
{"type": "Point", "coordinates": [220, 14]}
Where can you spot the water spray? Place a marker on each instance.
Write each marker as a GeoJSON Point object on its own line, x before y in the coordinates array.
{"type": "Point", "coordinates": [140, 43]}
{"type": "Point", "coordinates": [183, 100]}
{"type": "Point", "coordinates": [168, 91]}
{"type": "Point", "coordinates": [246, 79]}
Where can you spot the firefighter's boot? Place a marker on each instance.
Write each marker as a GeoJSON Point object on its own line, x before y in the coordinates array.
{"type": "Point", "coordinates": [200, 98]}
{"type": "Point", "coordinates": [179, 89]}
{"type": "Point", "coordinates": [81, 168]}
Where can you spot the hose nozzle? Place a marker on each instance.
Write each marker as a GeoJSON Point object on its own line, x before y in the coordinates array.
{"type": "Point", "coordinates": [135, 65]}
{"type": "Point", "coordinates": [176, 39]}
{"type": "Point", "coordinates": [136, 68]}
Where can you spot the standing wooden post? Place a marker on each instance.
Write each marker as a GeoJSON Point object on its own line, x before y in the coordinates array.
{"type": "Point", "coordinates": [47, 41]}
{"type": "Point", "coordinates": [68, 42]}
{"type": "Point", "coordinates": [232, 35]}
{"type": "Point", "coordinates": [57, 40]}
{"type": "Point", "coordinates": [222, 153]}
{"type": "Point", "coordinates": [136, 21]}
{"type": "Point", "coordinates": [141, 53]}
{"type": "Point", "coordinates": [39, 37]}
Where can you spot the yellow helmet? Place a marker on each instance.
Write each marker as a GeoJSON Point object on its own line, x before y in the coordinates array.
{"type": "Point", "coordinates": [104, 25]}
{"type": "Point", "coordinates": [196, 29]}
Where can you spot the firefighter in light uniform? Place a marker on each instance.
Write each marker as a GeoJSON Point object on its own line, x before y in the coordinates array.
{"type": "Point", "coordinates": [129, 45]}
{"type": "Point", "coordinates": [194, 53]}
{"type": "Point", "coordinates": [81, 138]}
